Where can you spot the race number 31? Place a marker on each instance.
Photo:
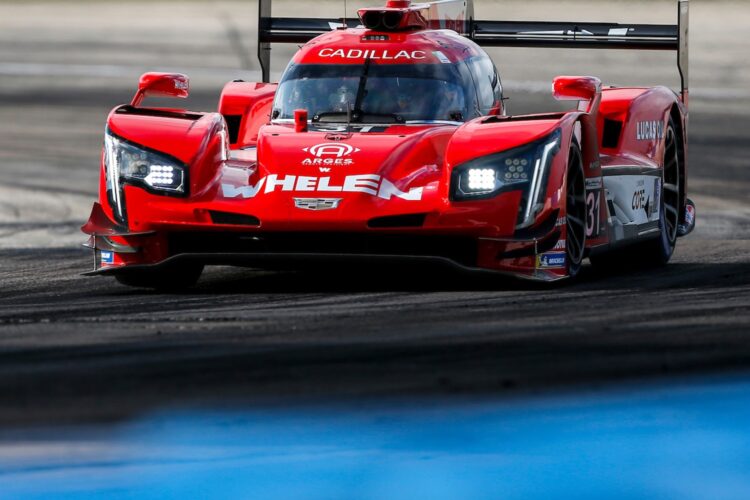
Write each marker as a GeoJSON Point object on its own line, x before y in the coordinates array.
{"type": "Point", "coordinates": [592, 213]}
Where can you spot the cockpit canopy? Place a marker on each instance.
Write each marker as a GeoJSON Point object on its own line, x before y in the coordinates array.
{"type": "Point", "coordinates": [389, 93]}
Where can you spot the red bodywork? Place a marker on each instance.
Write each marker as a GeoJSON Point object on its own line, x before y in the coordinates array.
{"type": "Point", "coordinates": [392, 184]}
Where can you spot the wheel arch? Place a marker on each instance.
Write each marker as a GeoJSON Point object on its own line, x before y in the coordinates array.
{"type": "Point", "coordinates": [592, 169]}
{"type": "Point", "coordinates": [680, 121]}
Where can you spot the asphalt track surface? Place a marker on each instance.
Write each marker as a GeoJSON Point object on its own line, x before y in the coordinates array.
{"type": "Point", "coordinates": [76, 349]}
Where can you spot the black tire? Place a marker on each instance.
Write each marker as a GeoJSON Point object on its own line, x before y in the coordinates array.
{"type": "Point", "coordinates": [575, 208]}
{"type": "Point", "coordinates": [168, 279]}
{"type": "Point", "coordinates": [655, 252]}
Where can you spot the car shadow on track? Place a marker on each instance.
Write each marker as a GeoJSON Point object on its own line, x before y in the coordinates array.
{"type": "Point", "coordinates": [436, 279]}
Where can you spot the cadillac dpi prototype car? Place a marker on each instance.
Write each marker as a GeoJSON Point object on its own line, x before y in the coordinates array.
{"type": "Point", "coordinates": [387, 139]}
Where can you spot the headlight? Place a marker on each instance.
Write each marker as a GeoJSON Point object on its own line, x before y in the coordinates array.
{"type": "Point", "coordinates": [127, 163]}
{"type": "Point", "coordinates": [141, 166]}
{"type": "Point", "coordinates": [525, 169]}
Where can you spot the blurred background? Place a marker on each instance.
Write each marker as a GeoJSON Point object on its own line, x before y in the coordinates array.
{"type": "Point", "coordinates": [255, 385]}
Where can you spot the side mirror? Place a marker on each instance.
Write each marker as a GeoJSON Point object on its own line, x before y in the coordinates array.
{"type": "Point", "coordinates": [161, 85]}
{"type": "Point", "coordinates": [587, 89]}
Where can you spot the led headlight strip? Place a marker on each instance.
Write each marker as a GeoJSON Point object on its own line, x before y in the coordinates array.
{"type": "Point", "coordinates": [129, 163]}
{"type": "Point", "coordinates": [539, 180]}
{"type": "Point", "coordinates": [524, 168]}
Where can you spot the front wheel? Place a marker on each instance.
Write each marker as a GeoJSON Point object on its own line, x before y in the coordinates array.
{"type": "Point", "coordinates": [172, 278]}
{"type": "Point", "coordinates": [575, 209]}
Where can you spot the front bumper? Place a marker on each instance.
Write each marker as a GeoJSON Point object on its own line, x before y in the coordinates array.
{"type": "Point", "coordinates": [517, 255]}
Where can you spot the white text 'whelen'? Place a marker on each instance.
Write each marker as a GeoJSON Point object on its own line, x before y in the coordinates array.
{"type": "Point", "coordinates": [371, 184]}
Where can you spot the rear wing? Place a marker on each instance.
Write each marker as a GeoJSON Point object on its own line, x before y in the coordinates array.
{"type": "Point", "coordinates": [571, 35]}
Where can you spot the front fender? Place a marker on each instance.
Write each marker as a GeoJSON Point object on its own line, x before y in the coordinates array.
{"type": "Point", "coordinates": [489, 135]}
{"type": "Point", "coordinates": [199, 140]}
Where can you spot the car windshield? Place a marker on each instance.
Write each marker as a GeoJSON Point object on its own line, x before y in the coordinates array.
{"type": "Point", "coordinates": [377, 93]}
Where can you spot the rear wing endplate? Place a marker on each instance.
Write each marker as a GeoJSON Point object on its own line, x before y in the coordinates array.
{"type": "Point", "coordinates": [571, 35]}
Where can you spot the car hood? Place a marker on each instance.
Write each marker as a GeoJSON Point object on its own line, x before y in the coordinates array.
{"type": "Point", "coordinates": [381, 170]}
{"type": "Point", "coordinates": [405, 154]}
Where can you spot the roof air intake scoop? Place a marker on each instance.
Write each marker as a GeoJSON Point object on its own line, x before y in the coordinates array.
{"type": "Point", "coordinates": [397, 15]}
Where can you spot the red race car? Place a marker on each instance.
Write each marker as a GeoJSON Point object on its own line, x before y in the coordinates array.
{"type": "Point", "coordinates": [387, 139]}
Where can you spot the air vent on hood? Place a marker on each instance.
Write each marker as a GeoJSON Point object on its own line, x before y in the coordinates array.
{"type": "Point", "coordinates": [408, 220]}
{"type": "Point", "coordinates": [611, 133]}
{"type": "Point", "coordinates": [163, 113]}
{"type": "Point", "coordinates": [233, 219]}
{"type": "Point", "coordinates": [233, 126]}
{"type": "Point", "coordinates": [522, 118]}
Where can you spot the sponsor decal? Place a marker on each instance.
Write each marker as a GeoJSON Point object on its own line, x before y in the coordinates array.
{"type": "Point", "coordinates": [561, 221]}
{"type": "Point", "coordinates": [649, 130]}
{"type": "Point", "coordinates": [575, 32]}
{"type": "Point", "coordinates": [317, 203]}
{"type": "Point", "coordinates": [180, 85]}
{"type": "Point", "coordinates": [330, 153]}
{"type": "Point", "coordinates": [689, 215]}
{"type": "Point", "coordinates": [560, 245]}
{"type": "Point", "coordinates": [371, 184]}
{"type": "Point", "coordinates": [327, 161]}
{"type": "Point", "coordinates": [640, 200]}
{"type": "Point", "coordinates": [335, 149]}
{"type": "Point", "coordinates": [107, 257]}
{"type": "Point", "coordinates": [618, 31]}
{"type": "Point", "coordinates": [551, 259]}
{"type": "Point", "coordinates": [374, 54]}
